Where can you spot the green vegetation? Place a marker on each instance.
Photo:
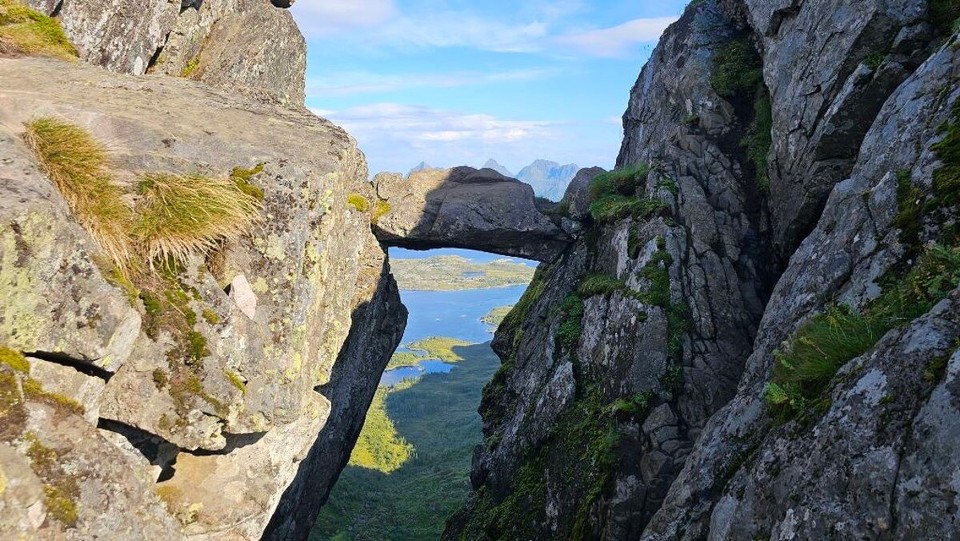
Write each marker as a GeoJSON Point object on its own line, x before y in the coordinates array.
{"type": "Point", "coordinates": [358, 202]}
{"type": "Point", "coordinates": [737, 69]}
{"type": "Point", "coordinates": [582, 451]}
{"type": "Point", "coordinates": [571, 322]}
{"type": "Point", "coordinates": [758, 139]}
{"type": "Point", "coordinates": [14, 359]}
{"type": "Point", "coordinates": [944, 15]}
{"type": "Point", "coordinates": [77, 165]}
{"type": "Point", "coordinates": [438, 417]}
{"type": "Point", "coordinates": [449, 273]}
{"type": "Point", "coordinates": [496, 316]}
{"type": "Point", "coordinates": [241, 177]}
{"type": "Point", "coordinates": [613, 196]}
{"type": "Point", "coordinates": [875, 60]}
{"type": "Point", "coordinates": [634, 407]}
{"type": "Point", "coordinates": [599, 283]}
{"type": "Point", "coordinates": [236, 380]}
{"type": "Point", "coordinates": [820, 347]}
{"type": "Point", "coordinates": [379, 210]}
{"type": "Point", "coordinates": [26, 31]}
{"type": "Point", "coordinates": [184, 215]}
{"type": "Point", "coordinates": [379, 447]}
{"type": "Point", "coordinates": [434, 347]}
{"type": "Point", "coordinates": [191, 67]}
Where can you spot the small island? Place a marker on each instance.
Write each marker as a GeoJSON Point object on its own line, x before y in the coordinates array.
{"type": "Point", "coordinates": [452, 273]}
{"type": "Point", "coordinates": [434, 347]}
{"type": "Point", "coordinates": [495, 317]}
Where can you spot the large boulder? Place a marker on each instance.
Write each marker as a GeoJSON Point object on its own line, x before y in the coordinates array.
{"type": "Point", "coordinates": [465, 208]}
{"type": "Point", "coordinates": [208, 41]}
{"type": "Point", "coordinates": [231, 422]}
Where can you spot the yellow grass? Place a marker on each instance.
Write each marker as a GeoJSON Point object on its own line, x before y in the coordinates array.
{"type": "Point", "coordinates": [77, 165]}
{"type": "Point", "coordinates": [23, 30]}
{"type": "Point", "coordinates": [183, 215]}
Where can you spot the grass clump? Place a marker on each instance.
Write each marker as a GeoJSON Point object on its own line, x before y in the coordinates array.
{"type": "Point", "coordinates": [183, 215]}
{"type": "Point", "coordinates": [600, 284]}
{"type": "Point", "coordinates": [737, 69]}
{"type": "Point", "coordinates": [805, 368]}
{"type": "Point", "coordinates": [191, 67]}
{"type": "Point", "coordinates": [236, 380]}
{"type": "Point", "coordinates": [613, 195]}
{"type": "Point", "coordinates": [632, 407]}
{"type": "Point", "coordinates": [77, 165]}
{"type": "Point", "coordinates": [358, 202]}
{"type": "Point", "coordinates": [24, 30]}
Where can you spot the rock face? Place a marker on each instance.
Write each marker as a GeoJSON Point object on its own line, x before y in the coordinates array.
{"type": "Point", "coordinates": [263, 408]}
{"type": "Point", "coordinates": [207, 41]}
{"type": "Point", "coordinates": [633, 398]}
{"type": "Point", "coordinates": [465, 208]}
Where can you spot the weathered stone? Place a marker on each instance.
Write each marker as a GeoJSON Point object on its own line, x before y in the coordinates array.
{"type": "Point", "coordinates": [250, 402]}
{"type": "Point", "coordinates": [578, 195]}
{"type": "Point", "coordinates": [466, 208]}
{"type": "Point", "coordinates": [243, 295]}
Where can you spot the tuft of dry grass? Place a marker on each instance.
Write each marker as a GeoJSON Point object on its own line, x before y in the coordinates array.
{"type": "Point", "coordinates": [183, 215]}
{"type": "Point", "coordinates": [23, 30]}
{"type": "Point", "coordinates": [77, 164]}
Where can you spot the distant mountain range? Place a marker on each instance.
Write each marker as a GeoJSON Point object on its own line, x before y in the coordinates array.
{"type": "Point", "coordinates": [548, 179]}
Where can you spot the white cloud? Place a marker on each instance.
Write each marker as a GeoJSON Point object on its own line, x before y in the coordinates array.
{"type": "Point", "coordinates": [320, 17]}
{"type": "Point", "coordinates": [619, 40]}
{"type": "Point", "coordinates": [378, 24]}
{"type": "Point", "coordinates": [353, 83]}
{"type": "Point", "coordinates": [396, 137]}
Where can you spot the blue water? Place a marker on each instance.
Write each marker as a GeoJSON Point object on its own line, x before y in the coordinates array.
{"type": "Point", "coordinates": [448, 313]}
{"type": "Point", "coordinates": [476, 257]}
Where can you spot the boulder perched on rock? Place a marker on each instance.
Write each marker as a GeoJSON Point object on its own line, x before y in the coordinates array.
{"type": "Point", "coordinates": [465, 208]}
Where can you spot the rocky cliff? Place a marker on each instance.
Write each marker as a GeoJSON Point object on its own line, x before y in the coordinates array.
{"type": "Point", "coordinates": [756, 334]}
{"type": "Point", "coordinates": [215, 394]}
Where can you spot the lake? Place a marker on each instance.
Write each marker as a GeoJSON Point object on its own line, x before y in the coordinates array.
{"type": "Point", "coordinates": [448, 313]}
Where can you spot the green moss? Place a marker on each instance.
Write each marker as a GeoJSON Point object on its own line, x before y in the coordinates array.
{"type": "Point", "coordinates": [672, 379]}
{"type": "Point", "coordinates": [191, 67]}
{"type": "Point", "coordinates": [633, 407]}
{"type": "Point", "coordinates": [60, 504]}
{"type": "Point", "coordinates": [909, 219]}
{"type": "Point", "coordinates": [667, 184]}
{"type": "Point", "coordinates": [160, 378]}
{"type": "Point", "coordinates": [571, 322]}
{"type": "Point", "coordinates": [242, 177]}
{"type": "Point", "coordinates": [211, 316]}
{"type": "Point", "coordinates": [737, 69]}
{"type": "Point", "coordinates": [379, 210]}
{"type": "Point", "coordinates": [358, 202]}
{"type": "Point", "coordinates": [198, 345]}
{"type": "Point", "coordinates": [14, 359]}
{"type": "Point", "coordinates": [875, 60]}
{"type": "Point", "coordinates": [28, 31]}
{"type": "Point", "coordinates": [117, 277]}
{"type": "Point", "coordinates": [236, 380]}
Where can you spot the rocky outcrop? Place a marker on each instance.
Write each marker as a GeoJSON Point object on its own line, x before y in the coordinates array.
{"type": "Point", "coordinates": [219, 399]}
{"type": "Point", "coordinates": [633, 399]}
{"type": "Point", "coordinates": [860, 468]}
{"type": "Point", "coordinates": [207, 41]}
{"type": "Point", "coordinates": [465, 208]}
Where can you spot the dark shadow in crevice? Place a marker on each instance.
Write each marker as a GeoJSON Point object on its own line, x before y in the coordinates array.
{"type": "Point", "coordinates": [234, 442]}
{"type": "Point", "coordinates": [158, 451]}
{"type": "Point", "coordinates": [83, 366]}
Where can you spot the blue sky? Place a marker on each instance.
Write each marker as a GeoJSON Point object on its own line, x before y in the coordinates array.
{"type": "Point", "coordinates": [455, 82]}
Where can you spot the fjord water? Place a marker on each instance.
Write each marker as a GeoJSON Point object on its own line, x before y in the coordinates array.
{"type": "Point", "coordinates": [454, 314]}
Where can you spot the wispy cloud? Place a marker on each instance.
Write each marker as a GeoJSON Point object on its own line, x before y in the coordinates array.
{"type": "Point", "coordinates": [360, 82]}
{"type": "Point", "coordinates": [619, 40]}
{"type": "Point", "coordinates": [397, 136]}
{"type": "Point", "coordinates": [380, 24]}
